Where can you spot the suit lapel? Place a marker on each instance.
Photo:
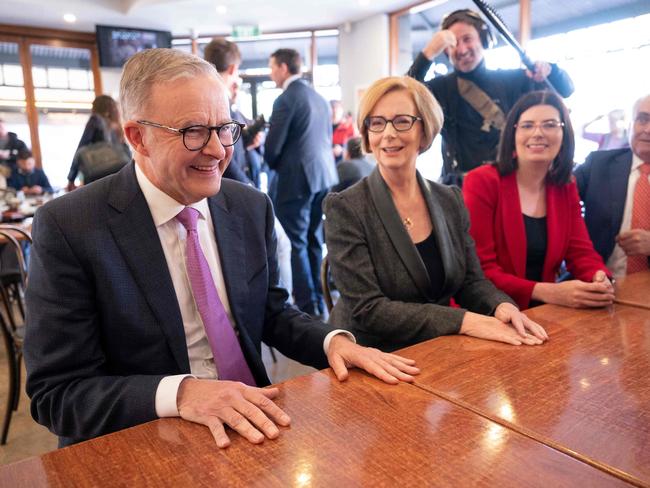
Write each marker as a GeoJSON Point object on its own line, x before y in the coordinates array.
{"type": "Point", "coordinates": [448, 253]}
{"type": "Point", "coordinates": [512, 221]}
{"type": "Point", "coordinates": [229, 233]}
{"type": "Point", "coordinates": [399, 237]}
{"type": "Point", "coordinates": [137, 238]}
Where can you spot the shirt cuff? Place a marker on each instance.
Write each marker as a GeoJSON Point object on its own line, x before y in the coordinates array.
{"type": "Point", "coordinates": [328, 338]}
{"type": "Point", "coordinates": [166, 394]}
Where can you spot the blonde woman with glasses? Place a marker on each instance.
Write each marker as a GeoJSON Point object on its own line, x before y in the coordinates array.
{"type": "Point", "coordinates": [399, 246]}
{"type": "Point", "coordinates": [525, 212]}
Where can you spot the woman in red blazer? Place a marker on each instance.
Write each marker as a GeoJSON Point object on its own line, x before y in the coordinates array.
{"type": "Point", "coordinates": [525, 212]}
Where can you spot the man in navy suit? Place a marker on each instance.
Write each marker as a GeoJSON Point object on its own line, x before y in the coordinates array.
{"type": "Point", "coordinates": [115, 333]}
{"type": "Point", "coordinates": [299, 147]}
{"type": "Point", "coordinates": [606, 182]}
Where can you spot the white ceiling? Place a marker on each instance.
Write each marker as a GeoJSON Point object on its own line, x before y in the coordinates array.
{"type": "Point", "coordinates": [182, 17]}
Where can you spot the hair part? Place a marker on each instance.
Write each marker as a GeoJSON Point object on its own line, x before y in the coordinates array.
{"type": "Point", "coordinates": [153, 66]}
{"type": "Point", "coordinates": [427, 107]}
{"type": "Point", "coordinates": [562, 166]}
{"type": "Point", "coordinates": [290, 57]}
{"type": "Point", "coordinates": [222, 54]}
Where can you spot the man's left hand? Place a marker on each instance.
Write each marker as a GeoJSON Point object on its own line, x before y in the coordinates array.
{"type": "Point", "coordinates": [542, 70]}
{"type": "Point", "coordinates": [390, 368]}
{"type": "Point", "coordinates": [635, 242]}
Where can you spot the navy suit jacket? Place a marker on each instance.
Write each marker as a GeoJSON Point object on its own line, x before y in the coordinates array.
{"type": "Point", "coordinates": [103, 322]}
{"type": "Point", "coordinates": [602, 183]}
{"type": "Point", "coordinates": [299, 143]}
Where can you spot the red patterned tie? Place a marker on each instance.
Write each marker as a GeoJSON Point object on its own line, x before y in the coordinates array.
{"type": "Point", "coordinates": [227, 352]}
{"type": "Point", "coordinates": [640, 216]}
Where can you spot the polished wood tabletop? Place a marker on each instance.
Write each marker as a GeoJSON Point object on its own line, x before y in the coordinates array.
{"type": "Point", "coordinates": [634, 289]}
{"type": "Point", "coordinates": [357, 433]}
{"type": "Point", "coordinates": [586, 392]}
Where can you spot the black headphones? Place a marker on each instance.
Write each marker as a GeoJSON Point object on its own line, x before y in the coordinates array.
{"type": "Point", "coordinates": [474, 19]}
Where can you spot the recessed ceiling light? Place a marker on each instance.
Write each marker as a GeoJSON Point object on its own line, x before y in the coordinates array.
{"type": "Point", "coordinates": [70, 18]}
{"type": "Point", "coordinates": [221, 9]}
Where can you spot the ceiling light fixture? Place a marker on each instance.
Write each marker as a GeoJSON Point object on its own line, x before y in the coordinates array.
{"type": "Point", "coordinates": [221, 9]}
{"type": "Point", "coordinates": [70, 18]}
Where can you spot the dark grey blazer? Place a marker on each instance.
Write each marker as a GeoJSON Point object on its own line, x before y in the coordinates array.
{"type": "Point", "coordinates": [103, 321]}
{"type": "Point", "coordinates": [385, 299]}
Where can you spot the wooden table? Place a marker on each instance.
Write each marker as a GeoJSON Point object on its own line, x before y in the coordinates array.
{"type": "Point", "coordinates": [586, 392]}
{"type": "Point", "coordinates": [358, 433]}
{"type": "Point", "coordinates": [634, 290]}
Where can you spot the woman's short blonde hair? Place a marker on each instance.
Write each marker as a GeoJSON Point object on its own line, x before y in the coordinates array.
{"type": "Point", "coordinates": [426, 105]}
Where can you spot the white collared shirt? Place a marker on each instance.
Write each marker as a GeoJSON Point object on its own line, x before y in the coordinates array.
{"type": "Point", "coordinates": [617, 262]}
{"type": "Point", "coordinates": [290, 80]}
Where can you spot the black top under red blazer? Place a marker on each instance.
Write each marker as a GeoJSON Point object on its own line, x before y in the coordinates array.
{"type": "Point", "coordinates": [497, 226]}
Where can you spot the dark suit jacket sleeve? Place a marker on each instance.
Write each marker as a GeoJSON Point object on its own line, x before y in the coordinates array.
{"type": "Point", "coordinates": [480, 191]}
{"type": "Point", "coordinates": [67, 381]}
{"type": "Point", "coordinates": [419, 68]}
{"type": "Point", "coordinates": [582, 174]}
{"type": "Point", "coordinates": [476, 293]}
{"type": "Point", "coordinates": [353, 270]}
{"type": "Point", "coordinates": [278, 130]}
{"type": "Point", "coordinates": [561, 81]}
{"type": "Point", "coordinates": [293, 333]}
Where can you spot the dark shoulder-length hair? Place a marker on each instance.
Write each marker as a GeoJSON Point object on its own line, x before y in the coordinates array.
{"type": "Point", "coordinates": [560, 171]}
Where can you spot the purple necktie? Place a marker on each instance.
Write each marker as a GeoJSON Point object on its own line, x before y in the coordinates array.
{"type": "Point", "coordinates": [228, 356]}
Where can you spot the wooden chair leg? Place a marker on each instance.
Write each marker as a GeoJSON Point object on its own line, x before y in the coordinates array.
{"type": "Point", "coordinates": [19, 358]}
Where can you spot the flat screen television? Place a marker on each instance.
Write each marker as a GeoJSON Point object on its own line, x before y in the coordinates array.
{"type": "Point", "coordinates": [117, 44]}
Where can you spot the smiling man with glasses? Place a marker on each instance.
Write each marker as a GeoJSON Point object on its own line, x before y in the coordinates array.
{"type": "Point", "coordinates": [151, 290]}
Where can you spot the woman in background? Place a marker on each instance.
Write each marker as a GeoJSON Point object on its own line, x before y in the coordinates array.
{"type": "Point", "coordinates": [104, 124]}
{"type": "Point", "coordinates": [525, 211]}
{"type": "Point", "coordinates": [399, 247]}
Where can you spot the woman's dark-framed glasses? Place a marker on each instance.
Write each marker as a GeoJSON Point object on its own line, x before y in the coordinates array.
{"type": "Point", "coordinates": [196, 137]}
{"type": "Point", "coordinates": [546, 126]}
{"type": "Point", "coordinates": [401, 123]}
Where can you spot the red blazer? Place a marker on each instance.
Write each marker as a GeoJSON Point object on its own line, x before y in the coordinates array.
{"type": "Point", "coordinates": [497, 226]}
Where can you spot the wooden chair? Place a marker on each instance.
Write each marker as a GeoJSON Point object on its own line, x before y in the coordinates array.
{"type": "Point", "coordinates": [12, 286]}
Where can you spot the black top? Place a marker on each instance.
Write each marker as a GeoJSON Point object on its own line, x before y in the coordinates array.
{"type": "Point", "coordinates": [429, 253]}
{"type": "Point", "coordinates": [536, 238]}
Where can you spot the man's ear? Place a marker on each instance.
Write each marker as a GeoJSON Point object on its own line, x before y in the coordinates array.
{"type": "Point", "coordinates": [134, 133]}
{"type": "Point", "coordinates": [231, 69]}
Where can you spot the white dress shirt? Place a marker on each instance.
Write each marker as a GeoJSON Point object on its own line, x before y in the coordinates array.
{"type": "Point", "coordinates": [290, 80]}
{"type": "Point", "coordinates": [617, 262]}
{"type": "Point", "coordinates": [172, 236]}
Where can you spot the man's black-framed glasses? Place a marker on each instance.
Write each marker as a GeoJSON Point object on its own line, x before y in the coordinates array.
{"type": "Point", "coordinates": [196, 137]}
{"type": "Point", "coordinates": [401, 123]}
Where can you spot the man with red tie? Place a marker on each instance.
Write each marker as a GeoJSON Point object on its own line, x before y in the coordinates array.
{"type": "Point", "coordinates": [151, 290]}
{"type": "Point", "coordinates": [615, 189]}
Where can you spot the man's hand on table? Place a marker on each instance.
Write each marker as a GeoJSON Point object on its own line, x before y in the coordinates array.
{"type": "Point", "coordinates": [247, 410]}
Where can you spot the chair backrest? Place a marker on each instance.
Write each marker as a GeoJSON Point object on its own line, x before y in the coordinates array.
{"type": "Point", "coordinates": [8, 234]}
{"type": "Point", "coordinates": [325, 283]}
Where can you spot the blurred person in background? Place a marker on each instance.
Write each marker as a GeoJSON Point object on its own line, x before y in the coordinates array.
{"type": "Point", "coordinates": [616, 138]}
{"type": "Point", "coordinates": [342, 129]}
{"type": "Point", "coordinates": [354, 167]}
{"type": "Point", "coordinates": [104, 124]}
{"type": "Point", "coordinates": [27, 177]}
{"type": "Point", "coordinates": [10, 146]}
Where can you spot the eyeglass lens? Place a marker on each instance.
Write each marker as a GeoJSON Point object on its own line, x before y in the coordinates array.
{"type": "Point", "coordinates": [197, 137]}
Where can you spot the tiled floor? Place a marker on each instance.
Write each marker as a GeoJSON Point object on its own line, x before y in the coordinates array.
{"type": "Point", "coordinates": [27, 438]}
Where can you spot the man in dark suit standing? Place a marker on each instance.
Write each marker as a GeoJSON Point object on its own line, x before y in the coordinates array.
{"type": "Point", "coordinates": [615, 190]}
{"type": "Point", "coordinates": [299, 147]}
{"type": "Point", "coordinates": [151, 290]}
